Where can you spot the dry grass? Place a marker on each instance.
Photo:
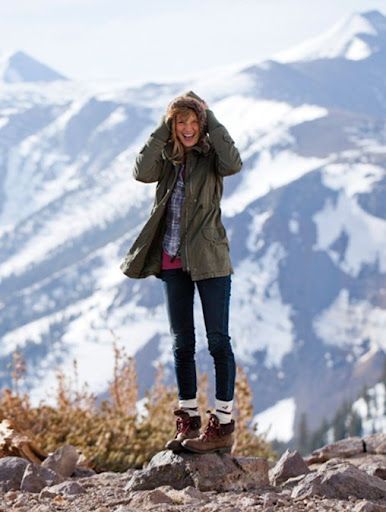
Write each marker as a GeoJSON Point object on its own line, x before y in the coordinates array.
{"type": "Point", "coordinates": [111, 434]}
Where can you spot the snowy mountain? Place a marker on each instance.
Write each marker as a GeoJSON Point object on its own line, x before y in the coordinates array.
{"type": "Point", "coordinates": [356, 37]}
{"type": "Point", "coordinates": [306, 218]}
{"type": "Point", "coordinates": [19, 67]}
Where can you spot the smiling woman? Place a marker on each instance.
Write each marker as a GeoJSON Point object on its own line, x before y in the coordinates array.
{"type": "Point", "coordinates": [185, 244]}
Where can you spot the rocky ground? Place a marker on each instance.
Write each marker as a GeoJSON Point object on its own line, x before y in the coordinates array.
{"type": "Point", "coordinates": [346, 476]}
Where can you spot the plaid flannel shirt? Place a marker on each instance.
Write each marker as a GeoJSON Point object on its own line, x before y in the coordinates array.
{"type": "Point", "coordinates": [172, 235]}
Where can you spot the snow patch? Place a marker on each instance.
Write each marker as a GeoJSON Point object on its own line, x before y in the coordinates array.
{"type": "Point", "coordinates": [262, 322]}
{"type": "Point", "coordinates": [366, 233]}
{"type": "Point", "coordinates": [342, 40]}
{"type": "Point", "coordinates": [349, 323]}
{"type": "Point", "coordinates": [277, 421]}
{"type": "Point", "coordinates": [267, 173]}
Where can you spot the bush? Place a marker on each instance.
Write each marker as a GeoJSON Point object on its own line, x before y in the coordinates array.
{"type": "Point", "coordinates": [111, 434]}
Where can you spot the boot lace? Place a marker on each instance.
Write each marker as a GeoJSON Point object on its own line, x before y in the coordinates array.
{"type": "Point", "coordinates": [183, 425]}
{"type": "Point", "coordinates": [212, 429]}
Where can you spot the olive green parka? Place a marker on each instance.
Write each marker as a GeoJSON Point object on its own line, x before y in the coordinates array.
{"type": "Point", "coordinates": [204, 246]}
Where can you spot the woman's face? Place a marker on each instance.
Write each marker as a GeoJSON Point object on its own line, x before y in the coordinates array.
{"type": "Point", "coordinates": [188, 129]}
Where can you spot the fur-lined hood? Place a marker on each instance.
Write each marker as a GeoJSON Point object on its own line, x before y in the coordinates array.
{"type": "Point", "coordinates": [187, 101]}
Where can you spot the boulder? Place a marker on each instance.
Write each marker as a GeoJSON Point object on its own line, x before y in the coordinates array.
{"type": "Point", "coordinates": [63, 460]}
{"type": "Point", "coordinates": [340, 480]}
{"type": "Point", "coordinates": [344, 448]}
{"type": "Point", "coordinates": [369, 506]}
{"type": "Point", "coordinates": [147, 499]}
{"type": "Point", "coordinates": [36, 477]}
{"type": "Point", "coordinates": [68, 488]}
{"type": "Point", "coordinates": [375, 468]}
{"type": "Point", "coordinates": [375, 443]}
{"type": "Point", "coordinates": [208, 472]}
{"type": "Point", "coordinates": [290, 464]}
{"type": "Point", "coordinates": [11, 473]}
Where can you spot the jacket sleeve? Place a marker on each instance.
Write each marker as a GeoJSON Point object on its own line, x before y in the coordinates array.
{"type": "Point", "coordinates": [228, 156]}
{"type": "Point", "coordinates": [149, 162]}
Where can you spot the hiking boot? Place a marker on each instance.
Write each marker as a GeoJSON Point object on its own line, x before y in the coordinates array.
{"type": "Point", "coordinates": [216, 437]}
{"type": "Point", "coordinates": [188, 427]}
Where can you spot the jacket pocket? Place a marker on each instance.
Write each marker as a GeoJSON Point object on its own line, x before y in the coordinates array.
{"type": "Point", "coordinates": [215, 235]}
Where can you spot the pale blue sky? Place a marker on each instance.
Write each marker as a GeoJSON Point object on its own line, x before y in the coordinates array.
{"type": "Point", "coordinates": [153, 40]}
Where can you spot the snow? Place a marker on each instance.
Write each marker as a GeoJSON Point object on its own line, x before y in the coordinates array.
{"type": "Point", "coordinates": [352, 178]}
{"type": "Point", "coordinates": [342, 40]}
{"type": "Point", "coordinates": [259, 319]}
{"type": "Point", "coordinates": [250, 119]}
{"type": "Point", "coordinates": [348, 323]}
{"type": "Point", "coordinates": [254, 240]}
{"type": "Point", "coordinates": [277, 421]}
{"type": "Point", "coordinates": [366, 233]}
{"type": "Point", "coordinates": [373, 412]}
{"type": "Point", "coordinates": [267, 173]}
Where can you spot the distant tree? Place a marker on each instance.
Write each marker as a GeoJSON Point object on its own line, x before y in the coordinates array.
{"type": "Point", "coordinates": [303, 435]}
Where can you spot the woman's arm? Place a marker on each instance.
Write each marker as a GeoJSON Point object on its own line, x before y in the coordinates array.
{"type": "Point", "coordinates": [228, 156]}
{"type": "Point", "coordinates": [148, 164]}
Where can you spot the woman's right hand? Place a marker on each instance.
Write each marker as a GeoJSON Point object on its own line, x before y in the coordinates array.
{"type": "Point", "coordinates": [196, 97]}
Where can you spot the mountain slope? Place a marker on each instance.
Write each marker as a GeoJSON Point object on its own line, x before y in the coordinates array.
{"type": "Point", "coordinates": [305, 217]}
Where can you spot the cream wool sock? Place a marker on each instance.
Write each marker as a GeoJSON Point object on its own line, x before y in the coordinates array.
{"type": "Point", "coordinates": [190, 406]}
{"type": "Point", "coordinates": [224, 411]}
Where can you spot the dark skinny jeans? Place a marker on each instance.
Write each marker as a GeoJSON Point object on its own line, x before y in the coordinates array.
{"type": "Point", "coordinates": [215, 297]}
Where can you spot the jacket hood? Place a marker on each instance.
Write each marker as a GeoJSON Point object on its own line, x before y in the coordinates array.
{"type": "Point", "coordinates": [189, 102]}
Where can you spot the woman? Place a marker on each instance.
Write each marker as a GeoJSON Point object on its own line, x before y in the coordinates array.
{"type": "Point", "coordinates": [185, 244]}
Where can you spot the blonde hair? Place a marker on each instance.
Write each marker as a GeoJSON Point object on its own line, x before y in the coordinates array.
{"type": "Point", "coordinates": [178, 149]}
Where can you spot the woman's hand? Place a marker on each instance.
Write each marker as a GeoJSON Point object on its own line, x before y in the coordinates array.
{"type": "Point", "coordinates": [196, 97]}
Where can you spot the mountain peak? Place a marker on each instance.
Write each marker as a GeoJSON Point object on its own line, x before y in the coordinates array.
{"type": "Point", "coordinates": [355, 37]}
{"type": "Point", "coordinates": [18, 66]}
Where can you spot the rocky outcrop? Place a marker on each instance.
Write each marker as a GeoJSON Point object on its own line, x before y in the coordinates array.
{"type": "Point", "coordinates": [209, 472]}
{"type": "Point", "coordinates": [350, 480]}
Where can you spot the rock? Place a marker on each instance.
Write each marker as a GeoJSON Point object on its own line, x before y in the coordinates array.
{"type": "Point", "coordinates": [375, 443]}
{"type": "Point", "coordinates": [11, 473]}
{"type": "Point", "coordinates": [63, 460]}
{"type": "Point", "coordinates": [343, 448]}
{"type": "Point", "coordinates": [205, 472]}
{"type": "Point", "coordinates": [340, 481]}
{"type": "Point", "coordinates": [368, 506]}
{"type": "Point", "coordinates": [148, 498]}
{"type": "Point", "coordinates": [290, 464]}
{"type": "Point", "coordinates": [82, 472]}
{"type": "Point", "coordinates": [165, 468]}
{"type": "Point", "coordinates": [374, 468]}
{"type": "Point", "coordinates": [68, 488]}
{"type": "Point", "coordinates": [184, 496]}
{"type": "Point", "coordinates": [36, 477]}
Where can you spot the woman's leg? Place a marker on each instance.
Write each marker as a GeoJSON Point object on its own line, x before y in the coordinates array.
{"type": "Point", "coordinates": [179, 291]}
{"type": "Point", "coordinates": [215, 298]}
{"type": "Point", "coordinates": [218, 434]}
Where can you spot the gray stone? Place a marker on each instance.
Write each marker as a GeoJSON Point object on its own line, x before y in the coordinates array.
{"type": "Point", "coordinates": [205, 472]}
{"type": "Point", "coordinates": [343, 448]}
{"type": "Point", "coordinates": [36, 477]}
{"type": "Point", "coordinates": [374, 469]}
{"type": "Point", "coordinates": [63, 460]}
{"type": "Point", "coordinates": [290, 464]}
{"type": "Point", "coordinates": [185, 496]}
{"type": "Point", "coordinates": [149, 498]}
{"type": "Point", "coordinates": [368, 506]}
{"type": "Point", "coordinates": [375, 443]}
{"type": "Point", "coordinates": [68, 488]}
{"type": "Point", "coordinates": [11, 473]}
{"type": "Point", "coordinates": [82, 472]}
{"type": "Point", "coordinates": [340, 481]}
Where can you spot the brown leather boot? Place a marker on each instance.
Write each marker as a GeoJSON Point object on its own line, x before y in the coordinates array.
{"type": "Point", "coordinates": [216, 437]}
{"type": "Point", "coordinates": [188, 427]}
